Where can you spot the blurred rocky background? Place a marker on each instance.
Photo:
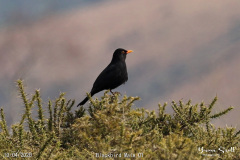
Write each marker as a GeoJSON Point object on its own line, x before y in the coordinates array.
{"type": "Point", "coordinates": [182, 50]}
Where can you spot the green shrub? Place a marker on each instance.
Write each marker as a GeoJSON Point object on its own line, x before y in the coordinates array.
{"type": "Point", "coordinates": [111, 127]}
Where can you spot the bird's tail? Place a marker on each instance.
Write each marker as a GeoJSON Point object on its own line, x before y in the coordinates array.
{"type": "Point", "coordinates": [83, 102]}
{"type": "Point", "coordinates": [86, 99]}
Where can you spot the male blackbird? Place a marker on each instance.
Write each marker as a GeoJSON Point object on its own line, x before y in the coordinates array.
{"type": "Point", "coordinates": [113, 75]}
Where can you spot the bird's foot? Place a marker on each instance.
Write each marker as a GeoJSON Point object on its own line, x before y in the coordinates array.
{"type": "Point", "coordinates": [115, 93]}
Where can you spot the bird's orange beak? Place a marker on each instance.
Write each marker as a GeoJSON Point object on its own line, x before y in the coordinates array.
{"type": "Point", "coordinates": [129, 51]}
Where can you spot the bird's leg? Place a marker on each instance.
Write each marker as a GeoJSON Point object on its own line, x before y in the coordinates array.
{"type": "Point", "coordinates": [111, 92]}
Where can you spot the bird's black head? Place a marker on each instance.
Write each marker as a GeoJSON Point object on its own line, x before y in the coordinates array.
{"type": "Point", "coordinates": [120, 54]}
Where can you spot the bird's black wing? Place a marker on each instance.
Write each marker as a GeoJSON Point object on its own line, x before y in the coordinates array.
{"type": "Point", "coordinates": [110, 78]}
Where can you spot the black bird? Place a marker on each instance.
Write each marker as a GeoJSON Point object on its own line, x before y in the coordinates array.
{"type": "Point", "coordinates": [113, 75]}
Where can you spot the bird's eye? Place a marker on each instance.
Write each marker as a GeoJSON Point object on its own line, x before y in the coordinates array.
{"type": "Point", "coordinates": [123, 52]}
